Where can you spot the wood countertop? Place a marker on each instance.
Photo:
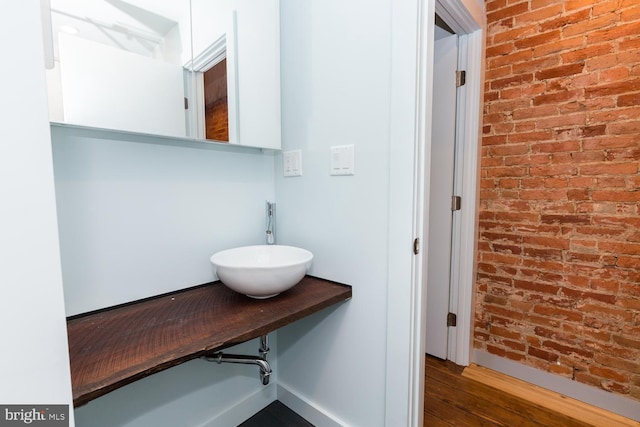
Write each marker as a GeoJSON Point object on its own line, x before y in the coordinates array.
{"type": "Point", "coordinates": [114, 347]}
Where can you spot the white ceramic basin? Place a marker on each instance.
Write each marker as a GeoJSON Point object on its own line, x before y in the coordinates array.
{"type": "Point", "coordinates": [262, 271]}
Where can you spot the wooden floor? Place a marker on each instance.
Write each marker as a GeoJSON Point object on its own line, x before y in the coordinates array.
{"type": "Point", "coordinates": [453, 400]}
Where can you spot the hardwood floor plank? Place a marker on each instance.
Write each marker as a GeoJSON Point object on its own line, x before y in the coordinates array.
{"type": "Point", "coordinates": [548, 399]}
{"type": "Point", "coordinates": [454, 400]}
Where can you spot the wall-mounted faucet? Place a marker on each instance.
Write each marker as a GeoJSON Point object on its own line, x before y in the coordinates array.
{"type": "Point", "coordinates": [271, 223]}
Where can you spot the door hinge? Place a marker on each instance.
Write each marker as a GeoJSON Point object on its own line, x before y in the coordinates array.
{"type": "Point", "coordinates": [456, 203]}
{"type": "Point", "coordinates": [451, 319]}
{"type": "Point", "coordinates": [186, 103]}
{"type": "Point", "coordinates": [461, 78]}
{"type": "Point", "coordinates": [416, 245]}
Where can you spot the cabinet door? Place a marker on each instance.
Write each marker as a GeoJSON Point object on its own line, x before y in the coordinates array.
{"type": "Point", "coordinates": [120, 65]}
{"type": "Point", "coordinates": [246, 33]}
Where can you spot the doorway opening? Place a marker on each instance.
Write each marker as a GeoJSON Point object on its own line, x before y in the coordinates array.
{"type": "Point", "coordinates": [444, 202]}
{"type": "Point", "coordinates": [458, 44]}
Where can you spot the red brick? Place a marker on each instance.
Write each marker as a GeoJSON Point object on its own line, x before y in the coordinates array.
{"type": "Point", "coordinates": [553, 170]}
{"type": "Point", "coordinates": [632, 14]}
{"type": "Point", "coordinates": [614, 74]}
{"type": "Point", "coordinates": [513, 58]}
{"type": "Point", "coordinates": [627, 342]}
{"type": "Point", "coordinates": [556, 147]}
{"type": "Point", "coordinates": [565, 20]}
{"type": "Point", "coordinates": [586, 295]}
{"type": "Point", "coordinates": [539, 14]}
{"type": "Point", "coordinates": [566, 219]}
{"type": "Point", "coordinates": [587, 52]}
{"type": "Point", "coordinates": [546, 254]}
{"type": "Point", "coordinates": [608, 313]}
{"type": "Point", "coordinates": [499, 50]}
{"type": "Point", "coordinates": [493, 5]}
{"type": "Point", "coordinates": [616, 88]}
{"type": "Point", "coordinates": [578, 4]}
{"type": "Point", "coordinates": [567, 349]}
{"type": "Point", "coordinates": [562, 71]}
{"type": "Point", "coordinates": [625, 30]}
{"type": "Point", "coordinates": [536, 64]}
{"type": "Point", "coordinates": [507, 12]}
{"type": "Point", "coordinates": [589, 25]}
{"type": "Point", "coordinates": [602, 63]}
{"type": "Point", "coordinates": [630, 100]}
{"type": "Point", "coordinates": [616, 196]}
{"type": "Point", "coordinates": [557, 47]}
{"type": "Point", "coordinates": [620, 247]}
{"type": "Point", "coordinates": [537, 39]}
{"type": "Point", "coordinates": [543, 135]}
{"type": "Point", "coordinates": [562, 121]}
{"type": "Point", "coordinates": [554, 98]}
{"type": "Point", "coordinates": [515, 34]}
{"type": "Point", "coordinates": [506, 172]}
{"type": "Point", "coordinates": [631, 127]}
{"type": "Point", "coordinates": [494, 139]}
{"type": "Point", "coordinates": [609, 169]}
{"type": "Point", "coordinates": [609, 373]}
{"type": "Point", "coordinates": [511, 81]}
{"type": "Point", "coordinates": [542, 354]}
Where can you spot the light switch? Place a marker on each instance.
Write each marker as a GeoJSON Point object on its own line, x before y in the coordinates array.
{"type": "Point", "coordinates": [343, 160]}
{"type": "Point", "coordinates": [292, 162]}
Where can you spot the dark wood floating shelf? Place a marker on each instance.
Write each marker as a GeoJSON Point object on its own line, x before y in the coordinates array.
{"type": "Point", "coordinates": [114, 347]}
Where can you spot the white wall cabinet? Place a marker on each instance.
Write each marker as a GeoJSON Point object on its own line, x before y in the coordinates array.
{"type": "Point", "coordinates": [132, 66]}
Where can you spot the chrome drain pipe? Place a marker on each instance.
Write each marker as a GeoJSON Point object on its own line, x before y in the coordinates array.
{"type": "Point", "coordinates": [261, 361]}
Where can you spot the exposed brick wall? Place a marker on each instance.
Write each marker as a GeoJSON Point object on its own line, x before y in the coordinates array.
{"type": "Point", "coordinates": [559, 244]}
{"type": "Point", "coordinates": [217, 120]}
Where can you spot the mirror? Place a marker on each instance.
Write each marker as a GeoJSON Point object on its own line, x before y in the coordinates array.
{"type": "Point", "coordinates": [119, 64]}
{"type": "Point", "coordinates": [202, 69]}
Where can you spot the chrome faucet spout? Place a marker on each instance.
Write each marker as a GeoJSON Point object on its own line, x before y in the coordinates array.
{"type": "Point", "coordinates": [271, 223]}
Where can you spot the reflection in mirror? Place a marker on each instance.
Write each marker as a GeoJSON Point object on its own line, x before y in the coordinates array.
{"type": "Point", "coordinates": [211, 81]}
{"type": "Point", "coordinates": [119, 64]}
{"type": "Point", "coordinates": [214, 70]}
{"type": "Point", "coordinates": [246, 35]}
{"type": "Point", "coordinates": [216, 111]}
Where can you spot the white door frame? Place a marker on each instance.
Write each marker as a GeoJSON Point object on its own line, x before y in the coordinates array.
{"type": "Point", "coordinates": [411, 80]}
{"type": "Point", "coordinates": [464, 235]}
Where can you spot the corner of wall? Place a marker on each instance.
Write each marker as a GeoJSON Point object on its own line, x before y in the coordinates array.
{"type": "Point", "coordinates": [316, 415]}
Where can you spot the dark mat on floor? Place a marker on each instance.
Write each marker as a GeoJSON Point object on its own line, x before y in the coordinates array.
{"type": "Point", "coordinates": [276, 414]}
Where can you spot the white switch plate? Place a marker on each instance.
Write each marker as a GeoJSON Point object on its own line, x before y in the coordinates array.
{"type": "Point", "coordinates": [343, 160]}
{"type": "Point", "coordinates": [292, 162]}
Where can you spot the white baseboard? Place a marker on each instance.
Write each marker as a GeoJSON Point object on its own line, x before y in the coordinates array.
{"type": "Point", "coordinates": [316, 415]}
{"type": "Point", "coordinates": [611, 402]}
{"type": "Point", "coordinates": [244, 409]}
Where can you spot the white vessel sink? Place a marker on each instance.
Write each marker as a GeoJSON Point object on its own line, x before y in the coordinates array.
{"type": "Point", "coordinates": [262, 271]}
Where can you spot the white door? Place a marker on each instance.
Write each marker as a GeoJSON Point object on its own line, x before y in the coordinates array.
{"type": "Point", "coordinates": [441, 189]}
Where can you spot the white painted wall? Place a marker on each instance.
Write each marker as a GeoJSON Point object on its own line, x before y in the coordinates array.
{"type": "Point", "coordinates": [336, 91]}
{"type": "Point", "coordinates": [139, 219]}
{"type": "Point", "coordinates": [34, 365]}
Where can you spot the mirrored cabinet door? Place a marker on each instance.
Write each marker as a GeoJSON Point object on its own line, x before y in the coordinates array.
{"type": "Point", "coordinates": [120, 64]}
{"type": "Point", "coordinates": [197, 69]}
{"type": "Point", "coordinates": [236, 50]}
